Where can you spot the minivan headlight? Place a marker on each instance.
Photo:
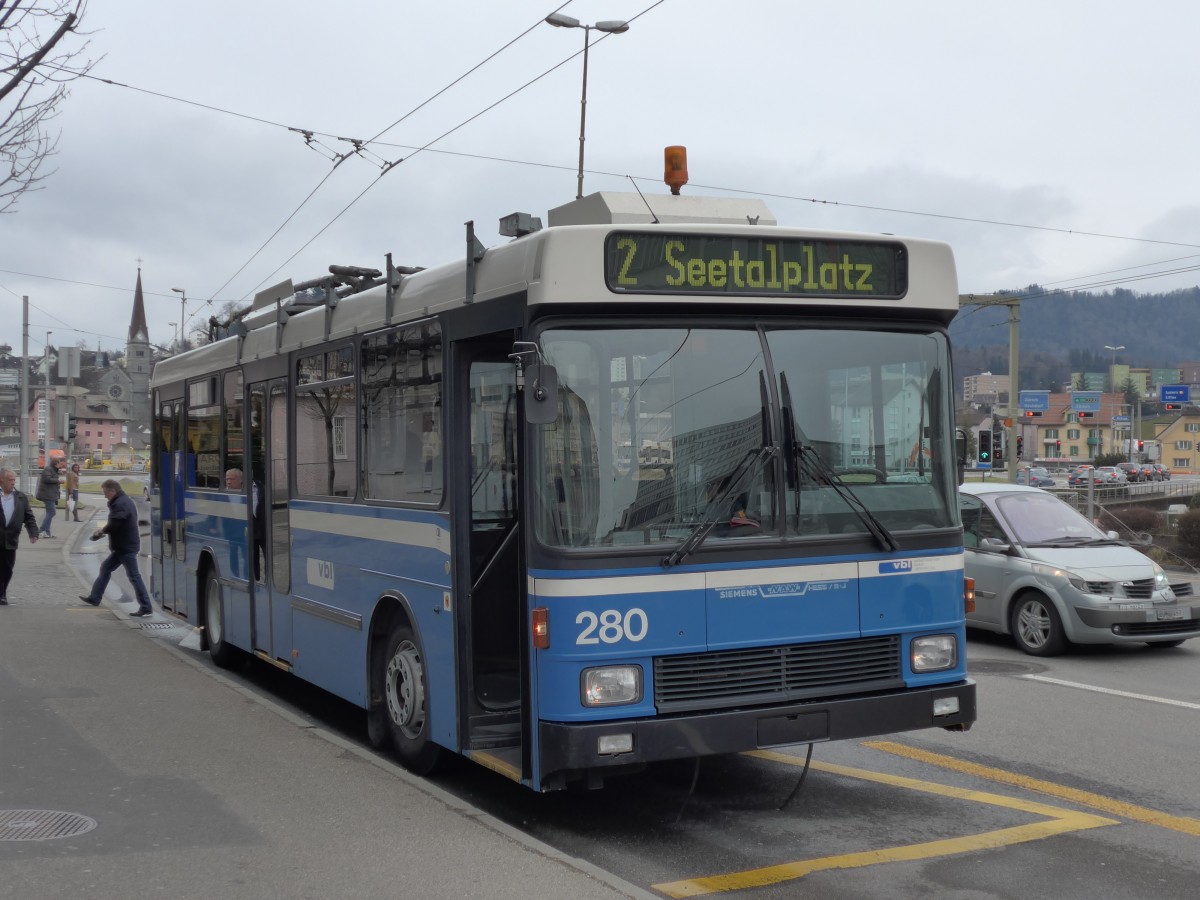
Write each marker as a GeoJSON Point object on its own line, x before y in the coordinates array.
{"type": "Point", "coordinates": [1057, 574]}
{"type": "Point", "coordinates": [1160, 578]}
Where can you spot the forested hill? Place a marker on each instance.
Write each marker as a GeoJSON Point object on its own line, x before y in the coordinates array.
{"type": "Point", "coordinates": [1073, 327]}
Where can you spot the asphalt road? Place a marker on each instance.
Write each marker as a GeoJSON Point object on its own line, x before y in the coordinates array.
{"type": "Point", "coordinates": [1079, 780]}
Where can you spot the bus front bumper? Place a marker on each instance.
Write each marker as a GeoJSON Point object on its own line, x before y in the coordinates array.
{"type": "Point", "coordinates": [576, 747]}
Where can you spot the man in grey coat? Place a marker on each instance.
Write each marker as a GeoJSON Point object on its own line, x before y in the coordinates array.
{"type": "Point", "coordinates": [47, 492]}
{"type": "Point", "coordinates": [18, 514]}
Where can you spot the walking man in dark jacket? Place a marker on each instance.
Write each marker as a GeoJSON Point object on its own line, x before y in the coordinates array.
{"type": "Point", "coordinates": [123, 544]}
{"type": "Point", "coordinates": [47, 492]}
{"type": "Point", "coordinates": [18, 514]}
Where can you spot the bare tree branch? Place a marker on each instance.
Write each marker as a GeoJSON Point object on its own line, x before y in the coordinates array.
{"type": "Point", "coordinates": [37, 61]}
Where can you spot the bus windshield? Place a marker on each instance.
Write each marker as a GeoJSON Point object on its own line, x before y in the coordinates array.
{"type": "Point", "coordinates": [662, 430]}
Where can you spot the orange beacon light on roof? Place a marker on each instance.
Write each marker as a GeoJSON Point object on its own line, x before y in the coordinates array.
{"type": "Point", "coordinates": [675, 167]}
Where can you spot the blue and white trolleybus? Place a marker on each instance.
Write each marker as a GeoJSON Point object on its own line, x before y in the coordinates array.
{"type": "Point", "coordinates": [660, 480]}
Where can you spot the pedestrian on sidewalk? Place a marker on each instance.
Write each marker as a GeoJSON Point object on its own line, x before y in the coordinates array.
{"type": "Point", "coordinates": [73, 493]}
{"type": "Point", "coordinates": [124, 542]}
{"type": "Point", "coordinates": [47, 492]}
{"type": "Point", "coordinates": [18, 514]}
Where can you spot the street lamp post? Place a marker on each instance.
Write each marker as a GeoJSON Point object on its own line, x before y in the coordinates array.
{"type": "Point", "coordinates": [46, 418]}
{"type": "Point", "coordinates": [1112, 371]}
{"type": "Point", "coordinates": [1112, 379]}
{"type": "Point", "coordinates": [182, 315]}
{"type": "Point", "coordinates": [608, 27]}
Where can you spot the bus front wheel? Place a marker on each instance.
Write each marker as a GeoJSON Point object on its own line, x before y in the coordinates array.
{"type": "Point", "coordinates": [223, 653]}
{"type": "Point", "coordinates": [406, 702]}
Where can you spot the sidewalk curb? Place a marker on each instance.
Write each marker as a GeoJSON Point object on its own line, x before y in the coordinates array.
{"type": "Point", "coordinates": [448, 800]}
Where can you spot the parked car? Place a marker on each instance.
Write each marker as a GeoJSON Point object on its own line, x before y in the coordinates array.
{"type": "Point", "coordinates": [1110, 475]}
{"type": "Point", "coordinates": [1131, 470]}
{"type": "Point", "coordinates": [1048, 577]}
{"type": "Point", "coordinates": [1035, 476]}
{"type": "Point", "coordinates": [1164, 474]}
{"type": "Point", "coordinates": [1080, 476]}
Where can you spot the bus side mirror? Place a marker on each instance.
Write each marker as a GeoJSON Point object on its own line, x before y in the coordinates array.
{"type": "Point", "coordinates": [541, 393]}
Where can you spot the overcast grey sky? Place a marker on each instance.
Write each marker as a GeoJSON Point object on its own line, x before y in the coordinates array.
{"type": "Point", "coordinates": [1047, 142]}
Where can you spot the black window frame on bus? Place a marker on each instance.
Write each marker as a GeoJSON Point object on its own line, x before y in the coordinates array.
{"type": "Point", "coordinates": [402, 372]}
{"type": "Point", "coordinates": [203, 404]}
{"type": "Point", "coordinates": [233, 411]}
{"type": "Point", "coordinates": [330, 369]}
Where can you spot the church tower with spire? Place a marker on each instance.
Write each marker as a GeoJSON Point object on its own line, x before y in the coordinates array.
{"type": "Point", "coordinates": [137, 365]}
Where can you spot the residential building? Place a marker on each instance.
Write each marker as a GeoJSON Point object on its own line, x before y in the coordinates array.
{"type": "Point", "coordinates": [1059, 435]}
{"type": "Point", "coordinates": [1179, 442]}
{"type": "Point", "coordinates": [985, 388]}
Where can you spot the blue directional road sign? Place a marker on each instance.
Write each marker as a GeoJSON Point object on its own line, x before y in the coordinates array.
{"type": "Point", "coordinates": [1174, 393]}
{"type": "Point", "coordinates": [1035, 401]}
{"type": "Point", "coordinates": [1085, 401]}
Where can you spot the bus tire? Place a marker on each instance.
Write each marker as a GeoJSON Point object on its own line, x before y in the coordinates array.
{"type": "Point", "coordinates": [222, 652]}
{"type": "Point", "coordinates": [405, 705]}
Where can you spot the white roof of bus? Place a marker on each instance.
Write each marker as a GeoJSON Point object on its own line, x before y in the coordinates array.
{"type": "Point", "coordinates": [563, 264]}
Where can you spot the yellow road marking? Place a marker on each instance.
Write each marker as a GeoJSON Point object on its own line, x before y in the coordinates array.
{"type": "Point", "coordinates": [1059, 821]}
{"type": "Point", "coordinates": [1082, 798]}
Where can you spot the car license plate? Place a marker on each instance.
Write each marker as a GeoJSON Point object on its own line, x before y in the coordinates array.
{"type": "Point", "coordinates": [1167, 614]}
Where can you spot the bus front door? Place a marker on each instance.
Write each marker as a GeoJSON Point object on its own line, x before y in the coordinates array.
{"type": "Point", "coordinates": [269, 524]}
{"type": "Point", "coordinates": [494, 689]}
{"type": "Point", "coordinates": [170, 565]}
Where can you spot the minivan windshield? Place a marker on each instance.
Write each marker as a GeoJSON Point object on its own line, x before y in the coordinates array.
{"type": "Point", "coordinates": [1042, 520]}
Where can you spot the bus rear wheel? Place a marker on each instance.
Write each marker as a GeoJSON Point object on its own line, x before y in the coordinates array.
{"type": "Point", "coordinates": [405, 708]}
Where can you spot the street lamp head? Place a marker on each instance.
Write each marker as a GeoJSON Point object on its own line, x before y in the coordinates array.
{"type": "Point", "coordinates": [179, 290]}
{"type": "Point", "coordinates": [612, 26]}
{"type": "Point", "coordinates": [1114, 349]}
{"type": "Point", "coordinates": [558, 20]}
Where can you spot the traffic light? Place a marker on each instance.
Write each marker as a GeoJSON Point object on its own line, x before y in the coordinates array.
{"type": "Point", "coordinates": [71, 427]}
{"type": "Point", "coordinates": [985, 446]}
{"type": "Point", "coordinates": [1141, 446]}
{"type": "Point", "coordinates": [1173, 406]}
{"type": "Point", "coordinates": [1020, 447]}
{"type": "Point", "coordinates": [1087, 415]}
{"type": "Point", "coordinates": [1058, 447]}
{"type": "Point", "coordinates": [997, 446]}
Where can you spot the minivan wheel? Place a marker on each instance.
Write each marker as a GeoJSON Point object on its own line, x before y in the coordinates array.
{"type": "Point", "coordinates": [1036, 626]}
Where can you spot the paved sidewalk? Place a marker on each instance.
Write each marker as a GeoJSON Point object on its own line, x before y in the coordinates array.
{"type": "Point", "coordinates": [154, 775]}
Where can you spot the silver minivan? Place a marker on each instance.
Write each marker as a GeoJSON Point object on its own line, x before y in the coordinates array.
{"type": "Point", "coordinates": [1049, 577]}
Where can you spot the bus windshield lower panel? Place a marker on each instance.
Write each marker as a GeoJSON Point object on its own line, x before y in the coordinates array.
{"type": "Point", "coordinates": [662, 430]}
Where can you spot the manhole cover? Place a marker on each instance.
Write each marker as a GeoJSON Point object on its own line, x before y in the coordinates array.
{"type": "Point", "coordinates": [158, 626]}
{"type": "Point", "coordinates": [1002, 667]}
{"type": "Point", "coordinates": [41, 824]}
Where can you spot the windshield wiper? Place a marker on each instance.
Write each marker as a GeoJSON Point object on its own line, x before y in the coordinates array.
{"type": "Point", "coordinates": [817, 466]}
{"type": "Point", "coordinates": [1075, 542]}
{"type": "Point", "coordinates": [688, 546]}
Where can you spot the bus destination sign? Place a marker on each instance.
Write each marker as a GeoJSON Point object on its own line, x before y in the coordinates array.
{"type": "Point", "coordinates": [640, 263]}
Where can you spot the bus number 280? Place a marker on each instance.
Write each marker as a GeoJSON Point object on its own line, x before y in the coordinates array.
{"type": "Point", "coordinates": [611, 627]}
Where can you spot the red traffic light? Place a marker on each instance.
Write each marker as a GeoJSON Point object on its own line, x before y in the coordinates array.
{"type": "Point", "coordinates": [1033, 413]}
{"type": "Point", "coordinates": [1173, 406]}
{"type": "Point", "coordinates": [1087, 415]}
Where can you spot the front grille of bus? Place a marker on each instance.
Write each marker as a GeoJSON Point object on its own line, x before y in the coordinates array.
{"type": "Point", "coordinates": [768, 675]}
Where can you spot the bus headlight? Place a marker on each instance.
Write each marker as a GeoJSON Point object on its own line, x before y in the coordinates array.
{"type": "Point", "coordinates": [611, 685]}
{"type": "Point", "coordinates": [934, 653]}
